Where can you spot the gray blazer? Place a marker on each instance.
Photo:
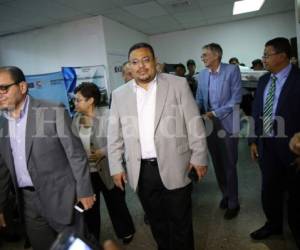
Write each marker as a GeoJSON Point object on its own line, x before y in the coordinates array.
{"type": "Point", "coordinates": [56, 161]}
{"type": "Point", "coordinates": [99, 140]}
{"type": "Point", "coordinates": [179, 132]}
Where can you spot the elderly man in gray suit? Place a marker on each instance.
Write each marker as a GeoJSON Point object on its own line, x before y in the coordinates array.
{"type": "Point", "coordinates": [155, 123]}
{"type": "Point", "coordinates": [43, 159]}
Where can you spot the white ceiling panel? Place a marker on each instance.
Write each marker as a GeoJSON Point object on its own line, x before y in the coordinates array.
{"type": "Point", "coordinates": [27, 18]}
{"type": "Point", "coordinates": [128, 19]}
{"type": "Point", "coordinates": [164, 22]}
{"type": "Point", "coordinates": [191, 17]}
{"type": "Point", "coordinates": [179, 6]}
{"type": "Point", "coordinates": [217, 11]}
{"type": "Point", "coordinates": [205, 3]}
{"type": "Point", "coordinates": [123, 3]}
{"type": "Point", "coordinates": [11, 26]}
{"type": "Point", "coordinates": [89, 6]}
{"type": "Point", "coordinates": [146, 10]}
{"type": "Point", "coordinates": [47, 8]}
{"type": "Point", "coordinates": [148, 16]}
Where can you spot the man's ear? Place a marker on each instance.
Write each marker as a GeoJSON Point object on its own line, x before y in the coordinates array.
{"type": "Point", "coordinates": [91, 100]}
{"type": "Point", "coordinates": [23, 87]}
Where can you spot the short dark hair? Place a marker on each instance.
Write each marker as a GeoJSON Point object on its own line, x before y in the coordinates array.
{"type": "Point", "coordinates": [232, 59]}
{"type": "Point", "coordinates": [190, 62]}
{"type": "Point", "coordinates": [179, 65]}
{"type": "Point", "coordinates": [89, 90]}
{"type": "Point", "coordinates": [257, 62]}
{"type": "Point", "coordinates": [281, 45]}
{"type": "Point", "coordinates": [140, 46]}
{"type": "Point", "coordinates": [16, 73]}
{"type": "Point", "coordinates": [214, 47]}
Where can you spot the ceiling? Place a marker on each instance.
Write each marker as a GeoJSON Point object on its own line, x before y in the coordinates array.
{"type": "Point", "coordinates": [148, 16]}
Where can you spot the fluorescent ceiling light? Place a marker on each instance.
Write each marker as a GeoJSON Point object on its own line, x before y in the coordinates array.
{"type": "Point", "coordinates": [245, 6]}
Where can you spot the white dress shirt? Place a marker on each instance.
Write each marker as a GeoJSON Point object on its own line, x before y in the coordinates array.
{"type": "Point", "coordinates": [146, 102]}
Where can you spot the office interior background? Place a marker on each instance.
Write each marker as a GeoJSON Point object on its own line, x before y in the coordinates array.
{"type": "Point", "coordinates": [41, 36]}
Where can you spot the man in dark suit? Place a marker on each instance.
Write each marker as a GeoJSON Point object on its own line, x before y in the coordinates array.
{"type": "Point", "coordinates": [42, 158]}
{"type": "Point", "coordinates": [276, 112]}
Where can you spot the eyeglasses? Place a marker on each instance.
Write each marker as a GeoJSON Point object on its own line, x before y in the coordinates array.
{"type": "Point", "coordinates": [266, 56]}
{"type": "Point", "coordinates": [77, 100]}
{"type": "Point", "coordinates": [5, 88]}
{"type": "Point", "coordinates": [145, 60]}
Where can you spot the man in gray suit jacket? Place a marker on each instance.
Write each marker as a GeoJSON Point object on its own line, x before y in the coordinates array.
{"type": "Point", "coordinates": [155, 123]}
{"type": "Point", "coordinates": [43, 159]}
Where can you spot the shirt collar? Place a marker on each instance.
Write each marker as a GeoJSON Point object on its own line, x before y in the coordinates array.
{"type": "Point", "coordinates": [24, 109]}
{"type": "Point", "coordinates": [215, 72]}
{"type": "Point", "coordinates": [282, 73]}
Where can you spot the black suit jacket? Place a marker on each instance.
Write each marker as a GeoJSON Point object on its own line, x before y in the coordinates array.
{"type": "Point", "coordinates": [56, 161]}
{"type": "Point", "coordinates": [288, 109]}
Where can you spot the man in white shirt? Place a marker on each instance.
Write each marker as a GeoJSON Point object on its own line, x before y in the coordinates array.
{"type": "Point", "coordinates": [155, 122]}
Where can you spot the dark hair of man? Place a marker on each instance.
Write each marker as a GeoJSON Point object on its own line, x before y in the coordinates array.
{"type": "Point", "coordinates": [214, 47]}
{"type": "Point", "coordinates": [190, 62]}
{"type": "Point", "coordinates": [233, 59]}
{"type": "Point", "coordinates": [89, 90]}
{"type": "Point", "coordinates": [179, 65]}
{"type": "Point", "coordinates": [280, 45]}
{"type": "Point", "coordinates": [257, 62]}
{"type": "Point", "coordinates": [141, 46]}
{"type": "Point", "coordinates": [16, 74]}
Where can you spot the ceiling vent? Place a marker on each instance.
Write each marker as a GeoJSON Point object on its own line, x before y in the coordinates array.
{"type": "Point", "coordinates": [180, 3]}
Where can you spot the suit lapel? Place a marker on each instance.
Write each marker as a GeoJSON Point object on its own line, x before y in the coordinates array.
{"type": "Point", "coordinates": [30, 126]}
{"type": "Point", "coordinates": [132, 107]}
{"type": "Point", "coordinates": [6, 148]}
{"type": "Point", "coordinates": [285, 90]}
{"type": "Point", "coordinates": [206, 88]}
{"type": "Point", "coordinates": [5, 143]}
{"type": "Point", "coordinates": [221, 81]}
{"type": "Point", "coordinates": [161, 96]}
{"type": "Point", "coordinates": [264, 85]}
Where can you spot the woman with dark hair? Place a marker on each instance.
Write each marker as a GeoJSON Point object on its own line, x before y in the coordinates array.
{"type": "Point", "coordinates": [91, 124]}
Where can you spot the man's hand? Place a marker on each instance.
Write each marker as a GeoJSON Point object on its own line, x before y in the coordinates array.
{"type": "Point", "coordinates": [208, 115]}
{"type": "Point", "coordinates": [2, 221]}
{"type": "Point", "coordinates": [295, 143]}
{"type": "Point", "coordinates": [120, 179]}
{"type": "Point", "coordinates": [87, 202]}
{"type": "Point", "coordinates": [200, 170]}
{"type": "Point", "coordinates": [254, 151]}
{"type": "Point", "coordinates": [96, 155]}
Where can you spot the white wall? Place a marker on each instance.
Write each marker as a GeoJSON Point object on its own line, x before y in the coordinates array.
{"type": "Point", "coordinates": [244, 39]}
{"type": "Point", "coordinates": [77, 43]}
{"type": "Point", "coordinates": [119, 39]}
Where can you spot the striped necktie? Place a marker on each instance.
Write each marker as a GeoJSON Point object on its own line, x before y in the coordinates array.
{"type": "Point", "coordinates": [268, 108]}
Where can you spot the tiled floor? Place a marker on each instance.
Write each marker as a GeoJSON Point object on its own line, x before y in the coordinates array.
{"type": "Point", "coordinates": [211, 231]}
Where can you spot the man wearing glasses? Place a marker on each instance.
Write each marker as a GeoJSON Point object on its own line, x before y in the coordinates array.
{"type": "Point", "coordinates": [42, 158]}
{"type": "Point", "coordinates": [276, 112]}
{"type": "Point", "coordinates": [155, 121]}
{"type": "Point", "coordinates": [218, 96]}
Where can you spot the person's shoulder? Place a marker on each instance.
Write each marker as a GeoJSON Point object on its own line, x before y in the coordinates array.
{"type": "Point", "coordinates": [173, 80]}
{"type": "Point", "coordinates": [229, 67]}
{"type": "Point", "coordinates": [123, 88]}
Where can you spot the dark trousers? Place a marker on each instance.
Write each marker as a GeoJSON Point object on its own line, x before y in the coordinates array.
{"type": "Point", "coordinates": [116, 206]}
{"type": "Point", "coordinates": [169, 211]}
{"type": "Point", "coordinates": [278, 176]}
{"type": "Point", "coordinates": [42, 231]}
{"type": "Point", "coordinates": [224, 153]}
